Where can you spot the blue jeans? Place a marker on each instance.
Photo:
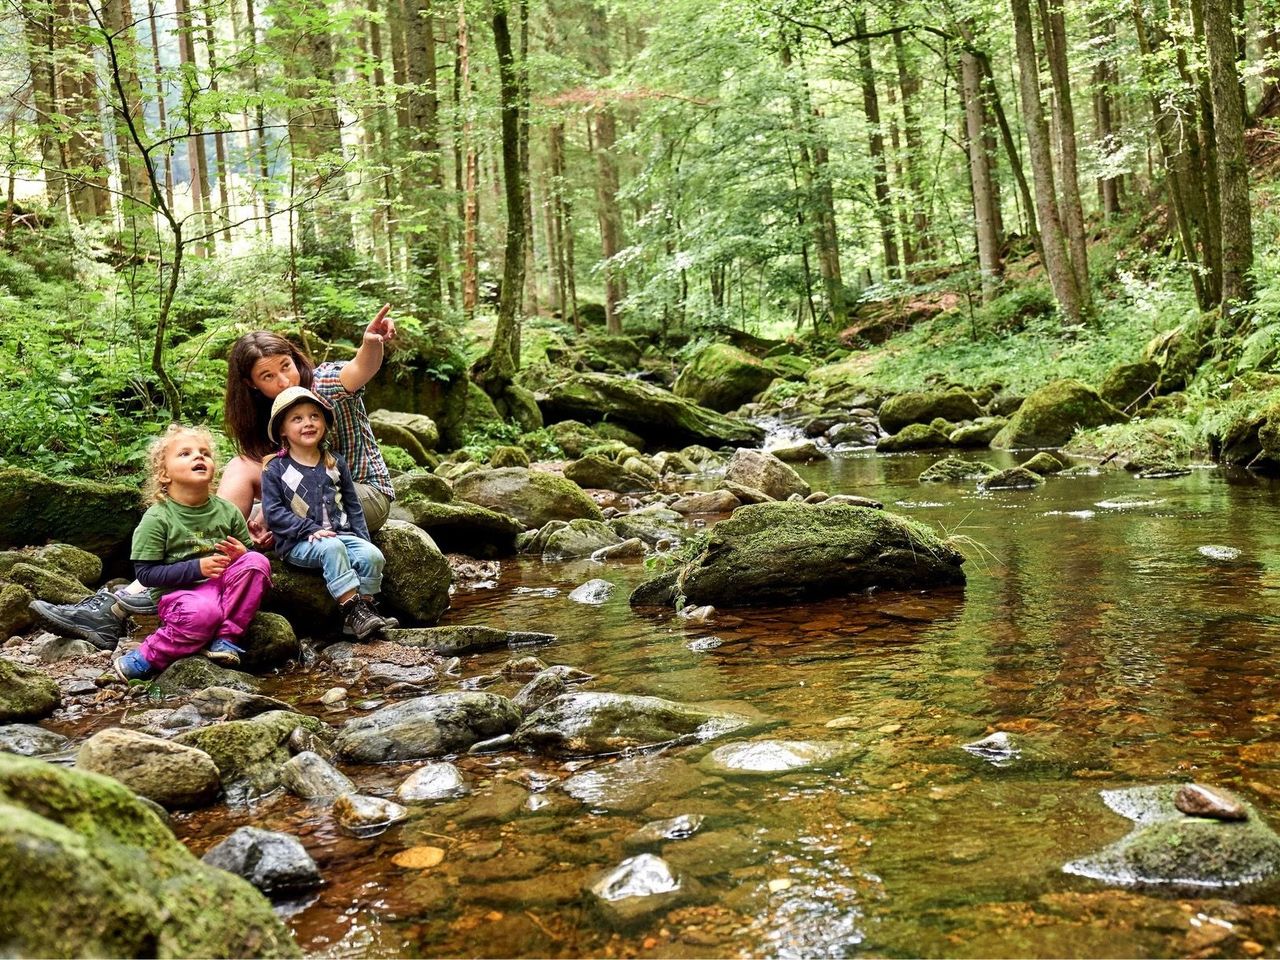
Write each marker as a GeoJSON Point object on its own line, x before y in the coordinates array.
{"type": "Point", "coordinates": [348, 563]}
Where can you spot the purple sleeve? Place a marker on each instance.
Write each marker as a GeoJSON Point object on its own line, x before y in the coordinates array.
{"type": "Point", "coordinates": [180, 574]}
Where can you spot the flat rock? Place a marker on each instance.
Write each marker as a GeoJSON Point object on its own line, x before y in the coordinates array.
{"type": "Point", "coordinates": [593, 592]}
{"type": "Point", "coordinates": [364, 815]}
{"type": "Point", "coordinates": [454, 641]}
{"type": "Point", "coordinates": [28, 740]}
{"type": "Point", "coordinates": [430, 726]}
{"type": "Point", "coordinates": [657, 832]}
{"type": "Point", "coordinates": [634, 783]}
{"type": "Point", "coordinates": [762, 758]}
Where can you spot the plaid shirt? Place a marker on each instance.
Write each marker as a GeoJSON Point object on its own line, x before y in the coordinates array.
{"type": "Point", "coordinates": [352, 435]}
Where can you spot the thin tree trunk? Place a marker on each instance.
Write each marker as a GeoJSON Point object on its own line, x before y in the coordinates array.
{"type": "Point", "coordinates": [531, 303]}
{"type": "Point", "coordinates": [77, 97]}
{"type": "Point", "coordinates": [980, 176]}
{"type": "Point", "coordinates": [219, 143]}
{"type": "Point", "coordinates": [609, 214]}
{"type": "Point", "coordinates": [117, 18]}
{"type": "Point", "coordinates": [909, 84]}
{"type": "Point", "coordinates": [880, 176]}
{"type": "Point", "coordinates": [196, 159]}
{"type": "Point", "coordinates": [153, 28]}
{"type": "Point", "coordinates": [1105, 78]}
{"type": "Point", "coordinates": [425, 170]}
{"type": "Point", "coordinates": [41, 50]}
{"type": "Point", "coordinates": [260, 118]}
{"type": "Point", "coordinates": [1057, 259]}
{"type": "Point", "coordinates": [470, 170]}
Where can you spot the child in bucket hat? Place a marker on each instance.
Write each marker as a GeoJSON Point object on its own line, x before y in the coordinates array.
{"type": "Point", "coordinates": [309, 502]}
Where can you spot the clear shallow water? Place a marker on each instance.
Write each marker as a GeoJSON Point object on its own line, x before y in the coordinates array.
{"type": "Point", "coordinates": [1093, 628]}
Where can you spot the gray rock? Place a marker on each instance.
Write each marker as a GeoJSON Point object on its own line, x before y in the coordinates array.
{"type": "Point", "coordinates": [627, 549]}
{"type": "Point", "coordinates": [532, 497]}
{"type": "Point", "coordinates": [715, 501]}
{"type": "Point", "coordinates": [173, 775]}
{"type": "Point", "coordinates": [51, 649]}
{"type": "Point", "coordinates": [250, 753]}
{"type": "Point", "coordinates": [1191, 855]}
{"type": "Point", "coordinates": [594, 472]}
{"type": "Point", "coordinates": [766, 473]}
{"type": "Point", "coordinates": [804, 452]}
{"type": "Point", "coordinates": [543, 688]}
{"type": "Point", "coordinates": [227, 703]}
{"type": "Point", "coordinates": [416, 576]}
{"type": "Point", "coordinates": [593, 592]}
{"type": "Point", "coordinates": [634, 783]}
{"type": "Point", "coordinates": [650, 525]}
{"type": "Point", "coordinates": [420, 485]}
{"type": "Point", "coordinates": [193, 674]}
{"type": "Point", "coordinates": [272, 862]}
{"type": "Point", "coordinates": [763, 758]}
{"type": "Point", "coordinates": [309, 776]}
{"type": "Point", "coordinates": [744, 493]}
{"type": "Point", "coordinates": [453, 641]}
{"type": "Point", "coordinates": [1014, 478]}
{"type": "Point", "coordinates": [590, 723]}
{"type": "Point", "coordinates": [28, 740]}
{"type": "Point", "coordinates": [429, 726]}
{"type": "Point", "coordinates": [636, 889]}
{"type": "Point", "coordinates": [432, 782]}
{"type": "Point", "coordinates": [1200, 801]}
{"type": "Point", "coordinates": [578, 538]}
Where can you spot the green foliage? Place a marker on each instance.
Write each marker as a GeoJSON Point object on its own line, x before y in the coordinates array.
{"type": "Point", "coordinates": [397, 458]}
{"type": "Point", "coordinates": [539, 444]}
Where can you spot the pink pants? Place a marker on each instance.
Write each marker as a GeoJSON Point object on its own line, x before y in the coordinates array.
{"type": "Point", "coordinates": [191, 619]}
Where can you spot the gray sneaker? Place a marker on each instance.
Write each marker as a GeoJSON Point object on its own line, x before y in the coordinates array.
{"type": "Point", "coordinates": [91, 619]}
{"type": "Point", "coordinates": [137, 604]}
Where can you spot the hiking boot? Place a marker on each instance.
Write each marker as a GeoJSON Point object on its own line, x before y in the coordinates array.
{"type": "Point", "coordinates": [389, 623]}
{"type": "Point", "coordinates": [91, 619]}
{"type": "Point", "coordinates": [224, 652]}
{"type": "Point", "coordinates": [133, 666]}
{"type": "Point", "coordinates": [361, 621]}
{"type": "Point", "coordinates": [137, 604]}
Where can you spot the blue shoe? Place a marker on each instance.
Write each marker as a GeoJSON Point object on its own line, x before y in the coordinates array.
{"type": "Point", "coordinates": [134, 666]}
{"type": "Point", "coordinates": [225, 652]}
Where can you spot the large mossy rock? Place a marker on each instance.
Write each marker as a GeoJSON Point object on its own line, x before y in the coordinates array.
{"type": "Point", "coordinates": [250, 753]}
{"type": "Point", "coordinates": [1049, 417]}
{"type": "Point", "coordinates": [1126, 383]}
{"type": "Point", "coordinates": [81, 565]}
{"type": "Point", "coordinates": [467, 411]}
{"type": "Point", "coordinates": [459, 527]}
{"type": "Point", "coordinates": [591, 723]}
{"type": "Point", "coordinates": [26, 693]}
{"type": "Point", "coordinates": [532, 497]}
{"type": "Point", "coordinates": [655, 414]}
{"type": "Point", "coordinates": [396, 425]}
{"type": "Point", "coordinates": [915, 436]}
{"type": "Point", "coordinates": [416, 577]}
{"type": "Point", "coordinates": [723, 377]}
{"type": "Point", "coordinates": [97, 517]}
{"type": "Point", "coordinates": [15, 610]}
{"type": "Point", "coordinates": [925, 406]}
{"type": "Point", "coordinates": [774, 553]}
{"type": "Point", "coordinates": [595, 472]}
{"type": "Point", "coordinates": [420, 485]}
{"type": "Point", "coordinates": [1171, 850]}
{"type": "Point", "coordinates": [91, 871]}
{"type": "Point", "coordinates": [269, 642]}
{"type": "Point", "coordinates": [425, 727]}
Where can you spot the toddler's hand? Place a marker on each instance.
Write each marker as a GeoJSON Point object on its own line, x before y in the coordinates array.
{"type": "Point", "coordinates": [213, 566]}
{"type": "Point", "coordinates": [259, 534]}
{"type": "Point", "coordinates": [382, 329]}
{"type": "Point", "coordinates": [232, 549]}
{"type": "Point", "coordinates": [320, 535]}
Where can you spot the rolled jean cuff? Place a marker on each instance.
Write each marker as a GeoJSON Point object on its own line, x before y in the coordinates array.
{"type": "Point", "coordinates": [344, 584]}
{"type": "Point", "coordinates": [371, 586]}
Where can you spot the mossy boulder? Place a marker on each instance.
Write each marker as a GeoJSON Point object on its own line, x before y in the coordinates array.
{"type": "Point", "coordinates": [249, 753]}
{"type": "Point", "coordinates": [418, 425]}
{"type": "Point", "coordinates": [80, 565]}
{"type": "Point", "coordinates": [420, 485]}
{"type": "Point", "coordinates": [594, 472]}
{"type": "Point", "coordinates": [1044, 463]}
{"type": "Point", "coordinates": [615, 431]}
{"type": "Point", "coordinates": [47, 583]}
{"type": "Point", "coordinates": [508, 456]}
{"type": "Point", "coordinates": [1182, 853]}
{"type": "Point", "coordinates": [468, 638]}
{"type": "Point", "coordinates": [620, 350]}
{"type": "Point", "coordinates": [532, 497]}
{"type": "Point", "coordinates": [467, 411]}
{"type": "Point", "coordinates": [776, 553]}
{"type": "Point", "coordinates": [26, 693]}
{"type": "Point", "coordinates": [956, 468]}
{"type": "Point", "coordinates": [173, 775]}
{"type": "Point", "coordinates": [1127, 383]}
{"type": "Point", "coordinates": [36, 508]}
{"type": "Point", "coordinates": [590, 723]}
{"type": "Point", "coordinates": [425, 727]}
{"type": "Point", "coordinates": [723, 377]}
{"type": "Point", "coordinates": [461, 527]}
{"type": "Point", "coordinates": [980, 433]}
{"type": "Point", "coordinates": [915, 436]}
{"type": "Point", "coordinates": [1049, 416]}
{"type": "Point", "coordinates": [389, 429]}
{"type": "Point", "coordinates": [301, 597]}
{"type": "Point", "coordinates": [575, 538]}
{"type": "Point", "coordinates": [15, 614]}
{"type": "Point", "coordinates": [1014, 478]}
{"type": "Point", "coordinates": [189, 675]}
{"type": "Point", "coordinates": [657, 415]}
{"type": "Point", "coordinates": [269, 642]}
{"type": "Point", "coordinates": [416, 577]}
{"type": "Point", "coordinates": [925, 406]}
{"type": "Point", "coordinates": [90, 870]}
{"type": "Point", "coordinates": [573, 437]}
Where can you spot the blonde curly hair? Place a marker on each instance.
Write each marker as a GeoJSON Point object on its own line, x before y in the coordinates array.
{"type": "Point", "coordinates": [154, 490]}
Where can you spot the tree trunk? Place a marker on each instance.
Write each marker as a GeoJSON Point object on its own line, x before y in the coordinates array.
{"type": "Point", "coordinates": [871, 106]}
{"type": "Point", "coordinates": [917, 183]}
{"type": "Point", "coordinates": [531, 302]}
{"type": "Point", "coordinates": [1233, 170]}
{"type": "Point", "coordinates": [41, 55]}
{"type": "Point", "coordinates": [77, 97]}
{"type": "Point", "coordinates": [223, 212]}
{"type": "Point", "coordinates": [1057, 259]}
{"type": "Point", "coordinates": [197, 162]}
{"type": "Point", "coordinates": [980, 178]}
{"type": "Point", "coordinates": [260, 120]}
{"type": "Point", "coordinates": [1105, 80]}
{"type": "Point", "coordinates": [469, 192]}
{"type": "Point", "coordinates": [496, 370]}
{"type": "Point", "coordinates": [117, 19]}
{"type": "Point", "coordinates": [424, 177]}
{"type": "Point", "coordinates": [609, 214]}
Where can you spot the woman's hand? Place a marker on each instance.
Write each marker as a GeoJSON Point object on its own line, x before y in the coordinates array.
{"type": "Point", "coordinates": [214, 566]}
{"type": "Point", "coordinates": [382, 329]}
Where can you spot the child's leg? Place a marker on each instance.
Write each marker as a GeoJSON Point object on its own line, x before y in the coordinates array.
{"type": "Point", "coordinates": [240, 591]}
{"type": "Point", "coordinates": [188, 621]}
{"type": "Point", "coordinates": [329, 554]}
{"type": "Point", "coordinates": [367, 561]}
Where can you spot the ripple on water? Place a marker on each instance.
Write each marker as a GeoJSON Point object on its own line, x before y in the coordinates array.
{"type": "Point", "coordinates": [1078, 514]}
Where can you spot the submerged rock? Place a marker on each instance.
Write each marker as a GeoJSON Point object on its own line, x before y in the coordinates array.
{"type": "Point", "coordinates": [309, 776]}
{"type": "Point", "coordinates": [272, 862]}
{"type": "Point", "coordinates": [998, 749]}
{"type": "Point", "coordinates": [432, 782]}
{"type": "Point", "coordinates": [771, 553]}
{"type": "Point", "coordinates": [429, 726]}
{"type": "Point", "coordinates": [762, 758]}
{"type": "Point", "coordinates": [657, 832]}
{"type": "Point", "coordinates": [956, 468]}
{"type": "Point", "coordinates": [633, 783]}
{"type": "Point", "coordinates": [91, 870]}
{"type": "Point", "coordinates": [637, 888]}
{"type": "Point", "coordinates": [1167, 849]}
{"type": "Point", "coordinates": [367, 816]}
{"type": "Point", "coordinates": [590, 723]}
{"type": "Point", "coordinates": [593, 592]}
{"type": "Point", "coordinates": [28, 740]}
{"type": "Point", "coordinates": [453, 641]}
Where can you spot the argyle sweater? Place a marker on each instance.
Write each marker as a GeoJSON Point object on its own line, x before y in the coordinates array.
{"type": "Point", "coordinates": [298, 500]}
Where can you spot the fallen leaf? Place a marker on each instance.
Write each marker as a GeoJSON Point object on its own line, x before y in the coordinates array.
{"type": "Point", "coordinates": [418, 858]}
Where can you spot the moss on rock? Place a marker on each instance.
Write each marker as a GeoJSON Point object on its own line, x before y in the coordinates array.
{"type": "Point", "coordinates": [956, 468]}
{"type": "Point", "coordinates": [26, 693]}
{"type": "Point", "coordinates": [49, 584]}
{"type": "Point", "coordinates": [90, 870]}
{"type": "Point", "coordinates": [925, 406]}
{"type": "Point", "coordinates": [250, 753]}
{"type": "Point", "coordinates": [1053, 413]}
{"type": "Point", "coordinates": [465, 527]}
{"type": "Point", "coordinates": [914, 436]}
{"type": "Point", "coordinates": [15, 614]}
{"type": "Point", "coordinates": [416, 576]}
{"type": "Point", "coordinates": [530, 496]}
{"type": "Point", "coordinates": [36, 508]}
{"type": "Point", "coordinates": [723, 377]}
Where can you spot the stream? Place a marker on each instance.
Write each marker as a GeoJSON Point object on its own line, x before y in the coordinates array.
{"type": "Point", "coordinates": [1122, 631]}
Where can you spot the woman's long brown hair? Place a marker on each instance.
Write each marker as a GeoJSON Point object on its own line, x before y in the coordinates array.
{"type": "Point", "coordinates": [245, 410]}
